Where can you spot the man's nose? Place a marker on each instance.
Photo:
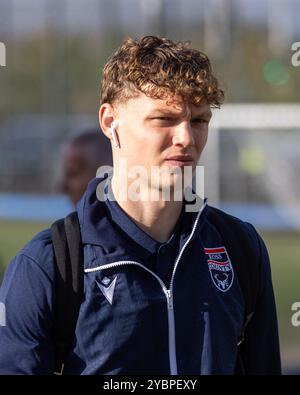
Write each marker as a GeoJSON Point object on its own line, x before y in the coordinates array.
{"type": "Point", "coordinates": [183, 135]}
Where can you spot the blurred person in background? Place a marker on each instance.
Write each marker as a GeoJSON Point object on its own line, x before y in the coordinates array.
{"type": "Point", "coordinates": [82, 155]}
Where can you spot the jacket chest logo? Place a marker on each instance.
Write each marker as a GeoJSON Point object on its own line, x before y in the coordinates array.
{"type": "Point", "coordinates": [107, 287]}
{"type": "Point", "coordinates": [220, 267]}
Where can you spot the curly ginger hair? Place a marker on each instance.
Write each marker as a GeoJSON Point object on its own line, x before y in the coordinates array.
{"type": "Point", "coordinates": [162, 69]}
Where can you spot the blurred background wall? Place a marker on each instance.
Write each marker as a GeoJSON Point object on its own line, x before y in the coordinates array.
{"type": "Point", "coordinates": [49, 91]}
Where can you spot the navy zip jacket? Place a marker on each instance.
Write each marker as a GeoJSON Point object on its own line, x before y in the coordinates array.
{"type": "Point", "coordinates": [148, 307]}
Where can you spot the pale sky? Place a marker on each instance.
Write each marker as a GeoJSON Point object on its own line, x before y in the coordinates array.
{"type": "Point", "coordinates": [22, 16]}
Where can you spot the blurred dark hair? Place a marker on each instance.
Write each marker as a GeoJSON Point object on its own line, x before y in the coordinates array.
{"type": "Point", "coordinates": [97, 145]}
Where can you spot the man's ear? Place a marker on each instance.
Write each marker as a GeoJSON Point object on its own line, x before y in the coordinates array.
{"type": "Point", "coordinates": [106, 117]}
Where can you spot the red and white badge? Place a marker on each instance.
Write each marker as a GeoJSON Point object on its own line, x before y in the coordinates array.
{"type": "Point", "coordinates": [220, 267]}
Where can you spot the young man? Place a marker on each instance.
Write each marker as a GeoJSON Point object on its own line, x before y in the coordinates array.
{"type": "Point", "coordinates": [161, 293]}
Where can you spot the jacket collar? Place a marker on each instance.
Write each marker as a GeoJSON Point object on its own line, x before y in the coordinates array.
{"type": "Point", "coordinates": [100, 226]}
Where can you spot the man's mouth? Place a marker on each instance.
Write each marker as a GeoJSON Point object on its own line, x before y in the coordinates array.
{"type": "Point", "coordinates": [180, 160]}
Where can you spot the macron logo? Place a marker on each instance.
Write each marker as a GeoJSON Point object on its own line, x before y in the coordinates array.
{"type": "Point", "coordinates": [107, 287]}
{"type": "Point", "coordinates": [2, 314]}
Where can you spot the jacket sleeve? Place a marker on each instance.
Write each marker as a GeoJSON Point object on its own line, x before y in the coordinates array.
{"type": "Point", "coordinates": [26, 325]}
{"type": "Point", "coordinates": [260, 350]}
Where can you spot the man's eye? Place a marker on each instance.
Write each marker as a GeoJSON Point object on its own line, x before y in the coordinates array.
{"type": "Point", "coordinates": [164, 118]}
{"type": "Point", "coordinates": [199, 121]}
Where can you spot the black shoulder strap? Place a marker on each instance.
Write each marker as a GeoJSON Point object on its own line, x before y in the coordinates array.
{"type": "Point", "coordinates": [68, 284]}
{"type": "Point", "coordinates": [243, 258]}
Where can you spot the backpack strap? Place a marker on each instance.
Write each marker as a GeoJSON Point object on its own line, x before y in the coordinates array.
{"type": "Point", "coordinates": [243, 258]}
{"type": "Point", "coordinates": [68, 284]}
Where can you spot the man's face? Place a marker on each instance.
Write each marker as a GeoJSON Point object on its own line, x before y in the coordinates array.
{"type": "Point", "coordinates": [76, 172]}
{"type": "Point", "coordinates": [154, 133]}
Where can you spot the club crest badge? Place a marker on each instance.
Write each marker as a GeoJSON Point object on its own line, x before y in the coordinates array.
{"type": "Point", "coordinates": [220, 267]}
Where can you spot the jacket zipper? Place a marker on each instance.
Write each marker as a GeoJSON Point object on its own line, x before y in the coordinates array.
{"type": "Point", "coordinates": [171, 319]}
{"type": "Point", "coordinates": [167, 292]}
{"type": "Point", "coordinates": [172, 338]}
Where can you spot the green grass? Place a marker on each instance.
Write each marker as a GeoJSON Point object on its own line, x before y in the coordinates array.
{"type": "Point", "coordinates": [284, 250]}
{"type": "Point", "coordinates": [13, 236]}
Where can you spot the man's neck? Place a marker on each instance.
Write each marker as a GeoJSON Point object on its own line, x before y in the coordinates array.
{"type": "Point", "coordinates": [156, 218]}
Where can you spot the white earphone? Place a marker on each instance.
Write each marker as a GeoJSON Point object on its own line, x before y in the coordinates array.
{"type": "Point", "coordinates": [114, 134]}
